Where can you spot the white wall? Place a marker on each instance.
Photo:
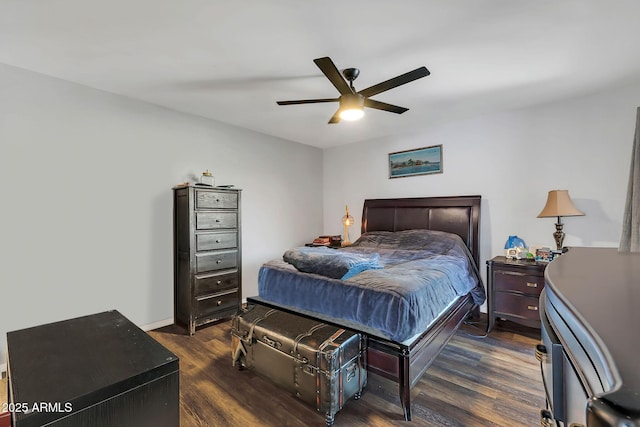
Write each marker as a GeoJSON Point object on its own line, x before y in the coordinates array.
{"type": "Point", "coordinates": [86, 217]}
{"type": "Point", "coordinates": [512, 160]}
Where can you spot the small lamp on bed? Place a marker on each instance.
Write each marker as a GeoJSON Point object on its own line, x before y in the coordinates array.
{"type": "Point", "coordinates": [347, 221]}
{"type": "Point", "coordinates": [559, 204]}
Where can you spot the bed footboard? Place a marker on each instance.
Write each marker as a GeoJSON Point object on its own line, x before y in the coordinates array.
{"type": "Point", "coordinates": [404, 364]}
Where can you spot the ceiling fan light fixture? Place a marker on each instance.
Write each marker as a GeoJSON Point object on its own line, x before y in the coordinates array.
{"type": "Point", "coordinates": [352, 102]}
{"type": "Point", "coordinates": [352, 114]}
{"type": "Point", "coordinates": [351, 107]}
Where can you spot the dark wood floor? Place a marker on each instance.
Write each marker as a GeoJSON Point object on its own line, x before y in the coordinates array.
{"type": "Point", "coordinates": [492, 381]}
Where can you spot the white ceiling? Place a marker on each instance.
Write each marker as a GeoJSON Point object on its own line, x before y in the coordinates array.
{"type": "Point", "coordinates": [232, 60]}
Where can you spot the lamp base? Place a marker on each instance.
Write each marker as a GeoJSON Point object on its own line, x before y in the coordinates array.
{"type": "Point", "coordinates": [346, 241]}
{"type": "Point", "coordinates": [559, 235]}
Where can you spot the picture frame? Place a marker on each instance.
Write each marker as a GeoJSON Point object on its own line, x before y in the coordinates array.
{"type": "Point", "coordinates": [544, 254]}
{"type": "Point", "coordinates": [414, 162]}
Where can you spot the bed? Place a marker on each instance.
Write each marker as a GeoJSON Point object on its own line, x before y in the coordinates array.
{"type": "Point", "coordinates": [397, 351]}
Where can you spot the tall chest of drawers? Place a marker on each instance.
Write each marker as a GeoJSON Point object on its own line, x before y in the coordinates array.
{"type": "Point", "coordinates": [207, 254]}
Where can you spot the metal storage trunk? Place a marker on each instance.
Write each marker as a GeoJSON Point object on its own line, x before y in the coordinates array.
{"type": "Point", "coordinates": [320, 364]}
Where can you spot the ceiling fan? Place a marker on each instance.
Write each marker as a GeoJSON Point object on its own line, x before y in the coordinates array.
{"type": "Point", "coordinates": [352, 103]}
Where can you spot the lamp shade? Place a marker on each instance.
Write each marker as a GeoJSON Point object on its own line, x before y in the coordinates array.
{"type": "Point", "coordinates": [559, 204]}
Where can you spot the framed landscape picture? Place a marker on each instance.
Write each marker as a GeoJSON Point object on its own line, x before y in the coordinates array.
{"type": "Point", "coordinates": [419, 161]}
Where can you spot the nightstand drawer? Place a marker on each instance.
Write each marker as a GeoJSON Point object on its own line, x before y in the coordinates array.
{"type": "Point", "coordinates": [517, 305]}
{"type": "Point", "coordinates": [518, 282]}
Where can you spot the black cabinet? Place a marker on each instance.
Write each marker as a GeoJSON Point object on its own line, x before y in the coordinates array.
{"type": "Point", "coordinates": [207, 254]}
{"type": "Point", "coordinates": [99, 370]}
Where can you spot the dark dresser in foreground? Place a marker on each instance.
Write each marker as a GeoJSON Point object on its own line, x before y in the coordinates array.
{"type": "Point", "coordinates": [590, 351]}
{"type": "Point", "coordinates": [514, 287]}
{"type": "Point", "coordinates": [99, 370]}
{"type": "Point", "coordinates": [207, 254]}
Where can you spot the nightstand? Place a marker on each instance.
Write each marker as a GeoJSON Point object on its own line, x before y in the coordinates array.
{"type": "Point", "coordinates": [514, 290]}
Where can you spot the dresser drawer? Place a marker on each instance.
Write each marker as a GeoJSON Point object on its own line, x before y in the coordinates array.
{"type": "Point", "coordinates": [215, 220]}
{"type": "Point", "coordinates": [209, 305]}
{"type": "Point", "coordinates": [213, 200]}
{"type": "Point", "coordinates": [525, 307]}
{"type": "Point", "coordinates": [214, 283]}
{"type": "Point", "coordinates": [518, 282]}
{"type": "Point", "coordinates": [214, 241]}
{"type": "Point", "coordinates": [216, 260]}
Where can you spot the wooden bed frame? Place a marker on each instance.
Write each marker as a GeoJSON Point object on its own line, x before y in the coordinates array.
{"type": "Point", "coordinates": [401, 362]}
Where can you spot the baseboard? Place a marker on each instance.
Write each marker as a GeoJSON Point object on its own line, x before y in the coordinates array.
{"type": "Point", "coordinates": [158, 324]}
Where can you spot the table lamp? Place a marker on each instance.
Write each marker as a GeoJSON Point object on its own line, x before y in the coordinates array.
{"type": "Point", "coordinates": [347, 221]}
{"type": "Point", "coordinates": [559, 204]}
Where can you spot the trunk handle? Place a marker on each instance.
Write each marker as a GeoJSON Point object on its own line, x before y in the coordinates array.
{"type": "Point", "coordinates": [272, 343]}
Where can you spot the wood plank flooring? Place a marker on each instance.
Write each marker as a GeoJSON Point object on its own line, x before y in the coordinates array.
{"type": "Point", "coordinates": [492, 381]}
{"type": "Point", "coordinates": [4, 392]}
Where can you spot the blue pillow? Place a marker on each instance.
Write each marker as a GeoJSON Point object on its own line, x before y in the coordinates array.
{"type": "Point", "coordinates": [332, 263]}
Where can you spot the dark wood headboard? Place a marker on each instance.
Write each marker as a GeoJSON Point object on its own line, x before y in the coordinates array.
{"type": "Point", "coordinates": [453, 214]}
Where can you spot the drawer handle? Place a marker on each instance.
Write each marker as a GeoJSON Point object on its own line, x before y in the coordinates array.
{"type": "Point", "coordinates": [532, 307]}
{"type": "Point", "coordinates": [218, 261]}
{"type": "Point", "coordinates": [512, 273]}
{"type": "Point", "coordinates": [541, 353]}
{"type": "Point", "coordinates": [219, 303]}
{"type": "Point", "coordinates": [219, 282]}
{"type": "Point", "coordinates": [532, 285]}
{"type": "Point", "coordinates": [217, 220]}
{"type": "Point", "coordinates": [217, 200]}
{"type": "Point", "coordinates": [546, 418]}
{"type": "Point", "coordinates": [218, 241]}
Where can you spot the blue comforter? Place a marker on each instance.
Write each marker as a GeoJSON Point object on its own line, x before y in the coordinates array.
{"type": "Point", "coordinates": [331, 263]}
{"type": "Point", "coordinates": [422, 272]}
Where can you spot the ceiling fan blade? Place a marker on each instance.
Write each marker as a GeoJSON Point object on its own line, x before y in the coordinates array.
{"type": "Point", "coordinates": [335, 118]}
{"type": "Point", "coordinates": [307, 101]}
{"type": "Point", "coordinates": [395, 82]}
{"type": "Point", "coordinates": [384, 106]}
{"type": "Point", "coordinates": [330, 70]}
